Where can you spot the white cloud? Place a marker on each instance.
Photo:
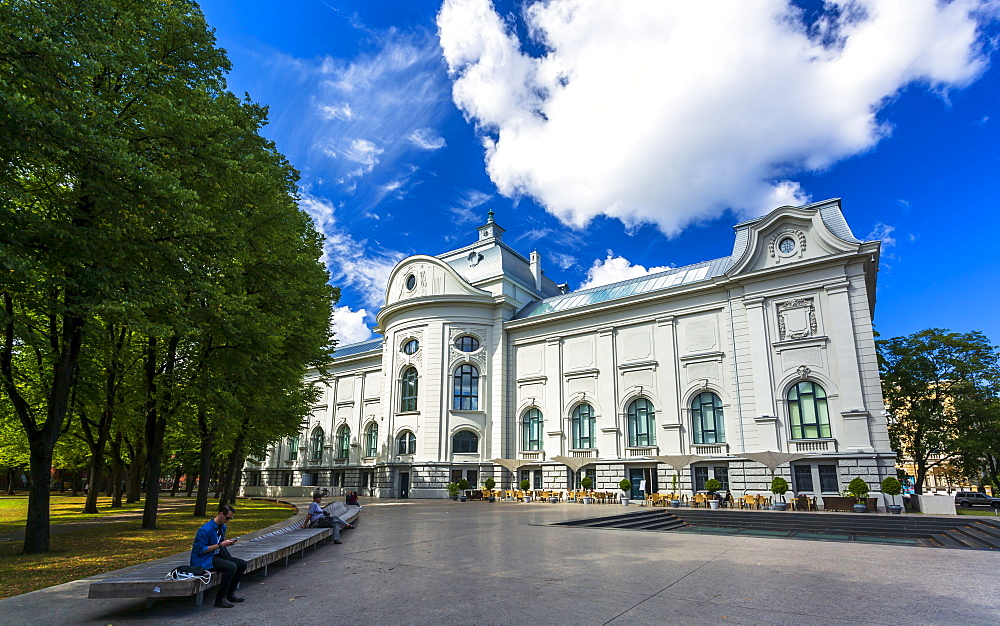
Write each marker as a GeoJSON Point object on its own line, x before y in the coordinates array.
{"type": "Point", "coordinates": [563, 261]}
{"type": "Point", "coordinates": [351, 262]}
{"type": "Point", "coordinates": [882, 232]}
{"type": "Point", "coordinates": [336, 112]}
{"type": "Point", "coordinates": [466, 205]}
{"type": "Point", "coordinates": [669, 113]}
{"type": "Point", "coordinates": [349, 326]}
{"type": "Point", "coordinates": [426, 139]}
{"type": "Point", "coordinates": [614, 269]}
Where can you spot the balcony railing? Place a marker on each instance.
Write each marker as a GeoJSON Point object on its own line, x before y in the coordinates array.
{"type": "Point", "coordinates": [812, 447]}
{"type": "Point", "coordinates": [716, 449]}
{"type": "Point", "coordinates": [533, 455]}
{"type": "Point", "coordinates": [642, 451]}
{"type": "Point", "coordinates": [584, 453]}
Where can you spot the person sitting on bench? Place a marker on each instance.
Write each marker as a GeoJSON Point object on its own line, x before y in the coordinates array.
{"type": "Point", "coordinates": [316, 513]}
{"type": "Point", "coordinates": [211, 551]}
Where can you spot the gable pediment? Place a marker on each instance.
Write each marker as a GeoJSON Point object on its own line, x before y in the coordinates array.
{"type": "Point", "coordinates": [422, 276]}
{"type": "Point", "coordinates": [790, 235]}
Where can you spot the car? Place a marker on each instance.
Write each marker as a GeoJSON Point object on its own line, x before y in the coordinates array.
{"type": "Point", "coordinates": [976, 498]}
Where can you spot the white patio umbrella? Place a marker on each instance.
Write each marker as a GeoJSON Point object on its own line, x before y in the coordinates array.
{"type": "Point", "coordinates": [771, 459]}
{"type": "Point", "coordinates": [573, 462]}
{"type": "Point", "coordinates": [513, 464]}
{"type": "Point", "coordinates": [679, 461]}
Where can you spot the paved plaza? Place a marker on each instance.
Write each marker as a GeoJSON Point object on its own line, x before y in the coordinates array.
{"type": "Point", "coordinates": [444, 562]}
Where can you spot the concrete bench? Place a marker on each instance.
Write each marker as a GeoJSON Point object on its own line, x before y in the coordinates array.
{"type": "Point", "coordinates": [259, 553]}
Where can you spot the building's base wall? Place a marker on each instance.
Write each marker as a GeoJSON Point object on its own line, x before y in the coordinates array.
{"type": "Point", "coordinates": [430, 480]}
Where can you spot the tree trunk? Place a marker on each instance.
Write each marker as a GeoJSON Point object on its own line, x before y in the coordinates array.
{"type": "Point", "coordinates": [156, 425]}
{"type": "Point", "coordinates": [36, 535]}
{"type": "Point", "coordinates": [177, 479]}
{"type": "Point", "coordinates": [74, 482]}
{"type": "Point", "coordinates": [190, 483]}
{"type": "Point", "coordinates": [205, 471]}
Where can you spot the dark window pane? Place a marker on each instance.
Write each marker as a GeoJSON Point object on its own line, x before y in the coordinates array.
{"type": "Point", "coordinates": [700, 478]}
{"type": "Point", "coordinates": [829, 482]}
{"type": "Point", "coordinates": [803, 478]}
{"type": "Point", "coordinates": [722, 475]}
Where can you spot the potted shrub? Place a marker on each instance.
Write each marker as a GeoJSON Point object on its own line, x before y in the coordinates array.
{"type": "Point", "coordinates": [524, 487]}
{"type": "Point", "coordinates": [711, 486]}
{"type": "Point", "coordinates": [673, 489]}
{"type": "Point", "coordinates": [587, 482]}
{"type": "Point", "coordinates": [453, 490]}
{"type": "Point", "coordinates": [490, 484]}
{"type": "Point", "coordinates": [892, 487]}
{"type": "Point", "coordinates": [626, 486]}
{"type": "Point", "coordinates": [462, 486]}
{"type": "Point", "coordinates": [778, 487]}
{"type": "Point", "coordinates": [858, 489]}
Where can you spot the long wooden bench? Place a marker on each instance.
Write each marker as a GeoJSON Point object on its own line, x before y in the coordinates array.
{"type": "Point", "coordinates": [259, 553]}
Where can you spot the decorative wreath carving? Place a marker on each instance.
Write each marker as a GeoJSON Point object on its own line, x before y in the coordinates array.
{"type": "Point", "coordinates": [798, 235]}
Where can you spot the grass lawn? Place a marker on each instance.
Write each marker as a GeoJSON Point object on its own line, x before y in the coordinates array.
{"type": "Point", "coordinates": [85, 552]}
{"type": "Point", "coordinates": [62, 509]}
{"type": "Point", "coordinates": [979, 511]}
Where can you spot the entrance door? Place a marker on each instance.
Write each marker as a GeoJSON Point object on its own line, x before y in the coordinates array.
{"type": "Point", "coordinates": [404, 484]}
{"type": "Point", "coordinates": [635, 476]}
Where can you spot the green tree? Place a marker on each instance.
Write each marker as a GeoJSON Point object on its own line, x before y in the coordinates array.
{"type": "Point", "coordinates": [131, 184]}
{"type": "Point", "coordinates": [926, 379]}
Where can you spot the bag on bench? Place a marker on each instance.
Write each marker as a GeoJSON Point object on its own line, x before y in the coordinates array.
{"type": "Point", "coordinates": [187, 572]}
{"type": "Point", "coordinates": [324, 522]}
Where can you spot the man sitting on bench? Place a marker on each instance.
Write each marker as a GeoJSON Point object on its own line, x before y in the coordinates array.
{"type": "Point", "coordinates": [316, 518]}
{"type": "Point", "coordinates": [211, 551]}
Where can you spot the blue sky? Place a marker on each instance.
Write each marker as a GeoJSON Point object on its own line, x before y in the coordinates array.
{"type": "Point", "coordinates": [620, 138]}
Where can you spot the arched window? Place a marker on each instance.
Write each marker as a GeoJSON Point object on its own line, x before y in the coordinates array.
{"type": "Point", "coordinates": [371, 439]}
{"type": "Point", "coordinates": [466, 393]}
{"type": "Point", "coordinates": [641, 423]}
{"type": "Point", "coordinates": [407, 443]}
{"type": "Point", "coordinates": [408, 390]}
{"type": "Point", "coordinates": [583, 427]}
{"type": "Point", "coordinates": [531, 425]}
{"type": "Point", "coordinates": [706, 415]}
{"type": "Point", "coordinates": [344, 442]}
{"type": "Point", "coordinates": [807, 411]}
{"type": "Point", "coordinates": [293, 448]}
{"type": "Point", "coordinates": [465, 441]}
{"type": "Point", "coordinates": [466, 343]}
{"type": "Point", "coordinates": [316, 444]}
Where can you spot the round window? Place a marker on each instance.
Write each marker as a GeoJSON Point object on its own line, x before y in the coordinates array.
{"type": "Point", "coordinates": [411, 282]}
{"type": "Point", "coordinates": [786, 245]}
{"type": "Point", "coordinates": [467, 344]}
{"type": "Point", "coordinates": [411, 346]}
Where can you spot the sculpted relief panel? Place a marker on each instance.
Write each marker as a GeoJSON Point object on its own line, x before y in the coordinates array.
{"type": "Point", "coordinates": [796, 319]}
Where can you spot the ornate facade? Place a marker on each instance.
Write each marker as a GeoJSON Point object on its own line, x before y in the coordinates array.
{"type": "Point", "coordinates": [483, 357]}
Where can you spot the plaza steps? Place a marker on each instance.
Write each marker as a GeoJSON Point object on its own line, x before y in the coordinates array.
{"type": "Point", "coordinates": [978, 533]}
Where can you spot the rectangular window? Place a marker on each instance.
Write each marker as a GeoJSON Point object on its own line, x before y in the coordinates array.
{"type": "Point", "coordinates": [700, 478]}
{"type": "Point", "coordinates": [538, 479]}
{"type": "Point", "coordinates": [803, 478]}
{"type": "Point", "coordinates": [525, 475]}
{"type": "Point", "coordinates": [287, 479]}
{"type": "Point", "coordinates": [473, 477]}
{"type": "Point", "coordinates": [722, 475]}
{"type": "Point", "coordinates": [337, 479]}
{"type": "Point", "coordinates": [829, 482]}
{"type": "Point", "coordinates": [456, 475]}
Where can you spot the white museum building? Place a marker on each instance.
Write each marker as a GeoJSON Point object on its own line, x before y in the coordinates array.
{"type": "Point", "coordinates": [481, 356]}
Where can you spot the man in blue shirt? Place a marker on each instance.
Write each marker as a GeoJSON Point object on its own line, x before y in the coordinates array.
{"type": "Point", "coordinates": [211, 551]}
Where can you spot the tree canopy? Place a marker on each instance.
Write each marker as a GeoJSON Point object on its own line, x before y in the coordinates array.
{"type": "Point", "coordinates": [935, 384]}
{"type": "Point", "coordinates": [156, 267]}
